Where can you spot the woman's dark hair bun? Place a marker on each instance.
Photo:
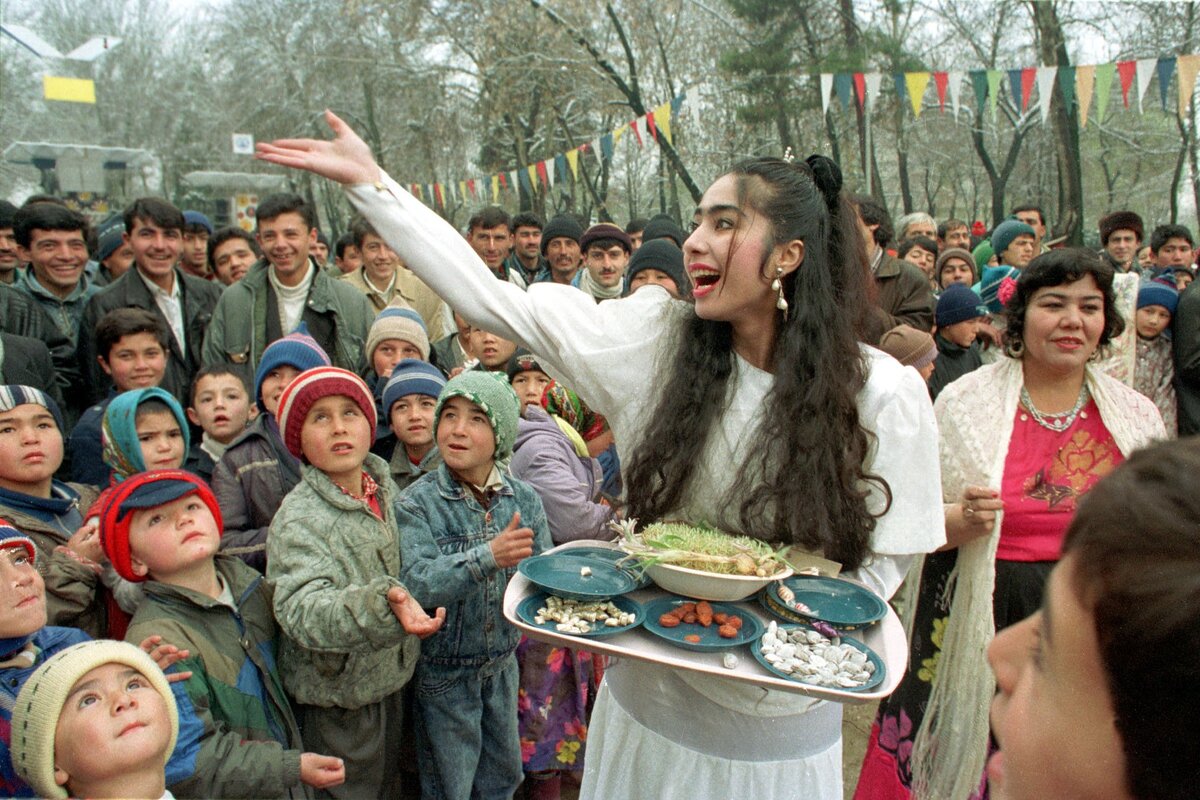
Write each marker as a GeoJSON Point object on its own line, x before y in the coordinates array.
{"type": "Point", "coordinates": [828, 177]}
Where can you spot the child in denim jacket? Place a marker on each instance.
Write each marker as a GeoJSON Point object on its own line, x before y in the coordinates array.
{"type": "Point", "coordinates": [461, 540]}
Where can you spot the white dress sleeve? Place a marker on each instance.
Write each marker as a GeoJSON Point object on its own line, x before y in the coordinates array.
{"type": "Point", "coordinates": [605, 352]}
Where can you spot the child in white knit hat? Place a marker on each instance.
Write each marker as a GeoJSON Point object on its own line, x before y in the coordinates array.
{"type": "Point", "coordinates": [96, 720]}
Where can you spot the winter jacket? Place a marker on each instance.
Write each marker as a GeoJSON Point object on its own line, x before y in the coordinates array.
{"type": "Point", "coordinates": [27, 361]}
{"type": "Point", "coordinates": [198, 298]}
{"type": "Point", "coordinates": [405, 473]}
{"type": "Point", "coordinates": [251, 743]}
{"type": "Point", "coordinates": [332, 562]}
{"type": "Point", "coordinates": [952, 363]}
{"type": "Point", "coordinates": [21, 316]}
{"type": "Point", "coordinates": [446, 546]}
{"type": "Point", "coordinates": [407, 288]}
{"type": "Point", "coordinates": [74, 595]}
{"type": "Point", "coordinates": [66, 312]}
{"type": "Point", "coordinates": [246, 320]}
{"type": "Point", "coordinates": [86, 446]}
{"type": "Point", "coordinates": [544, 458]}
{"type": "Point", "coordinates": [447, 354]}
{"type": "Point", "coordinates": [250, 481]}
{"type": "Point", "coordinates": [1186, 350]}
{"type": "Point", "coordinates": [904, 299]}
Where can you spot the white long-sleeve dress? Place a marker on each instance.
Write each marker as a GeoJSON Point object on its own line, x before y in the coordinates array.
{"type": "Point", "coordinates": [658, 732]}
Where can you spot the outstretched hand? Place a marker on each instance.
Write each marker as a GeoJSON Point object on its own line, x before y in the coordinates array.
{"type": "Point", "coordinates": [165, 655]}
{"type": "Point", "coordinates": [346, 159]}
{"type": "Point", "coordinates": [412, 617]}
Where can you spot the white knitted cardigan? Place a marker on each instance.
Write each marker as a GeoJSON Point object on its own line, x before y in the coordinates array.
{"type": "Point", "coordinates": [975, 423]}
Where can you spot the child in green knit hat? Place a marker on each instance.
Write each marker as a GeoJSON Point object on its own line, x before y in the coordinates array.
{"type": "Point", "coordinates": [465, 529]}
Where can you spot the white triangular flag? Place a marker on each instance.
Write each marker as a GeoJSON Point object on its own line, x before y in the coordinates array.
{"type": "Point", "coordinates": [595, 147]}
{"type": "Point", "coordinates": [871, 81]}
{"type": "Point", "coordinates": [1145, 71]}
{"type": "Point", "coordinates": [954, 83]}
{"type": "Point", "coordinates": [513, 184]}
{"type": "Point", "coordinates": [549, 173]}
{"type": "Point", "coordinates": [1045, 84]}
{"type": "Point", "coordinates": [826, 88]}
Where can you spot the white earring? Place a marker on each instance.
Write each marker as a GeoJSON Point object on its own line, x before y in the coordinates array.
{"type": "Point", "coordinates": [777, 286]}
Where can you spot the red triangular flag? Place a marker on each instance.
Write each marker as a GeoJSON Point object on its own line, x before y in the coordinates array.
{"type": "Point", "coordinates": [503, 180]}
{"type": "Point", "coordinates": [941, 80]}
{"type": "Point", "coordinates": [636, 132]}
{"type": "Point", "coordinates": [541, 171]}
{"type": "Point", "coordinates": [1028, 76]}
{"type": "Point", "coordinates": [471, 187]}
{"type": "Point", "coordinates": [650, 126]}
{"type": "Point", "coordinates": [1127, 70]}
{"type": "Point", "coordinates": [437, 195]}
{"type": "Point", "coordinates": [860, 88]}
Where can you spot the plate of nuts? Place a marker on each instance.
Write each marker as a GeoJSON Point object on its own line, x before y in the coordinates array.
{"type": "Point", "coordinates": [701, 625]}
{"type": "Point", "coordinates": [581, 617]}
{"type": "Point", "coordinates": [802, 653]}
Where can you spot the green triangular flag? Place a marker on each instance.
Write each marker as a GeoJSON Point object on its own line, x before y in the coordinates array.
{"type": "Point", "coordinates": [979, 84]}
{"type": "Point", "coordinates": [994, 76]}
{"type": "Point", "coordinates": [1066, 85]}
{"type": "Point", "coordinates": [1104, 79]}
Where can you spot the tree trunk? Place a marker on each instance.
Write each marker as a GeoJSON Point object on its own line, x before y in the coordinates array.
{"type": "Point", "coordinates": [1052, 47]}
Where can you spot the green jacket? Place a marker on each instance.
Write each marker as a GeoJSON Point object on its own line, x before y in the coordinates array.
{"type": "Point", "coordinates": [251, 743]}
{"type": "Point", "coordinates": [338, 317]}
{"type": "Point", "coordinates": [332, 562]}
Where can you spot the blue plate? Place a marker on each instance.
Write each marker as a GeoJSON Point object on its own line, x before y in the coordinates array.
{"type": "Point", "coordinates": [841, 603]}
{"type": "Point", "coordinates": [528, 609]}
{"type": "Point", "coordinates": [561, 575]}
{"type": "Point", "coordinates": [613, 555]}
{"type": "Point", "coordinates": [875, 679]}
{"type": "Point", "coordinates": [709, 638]}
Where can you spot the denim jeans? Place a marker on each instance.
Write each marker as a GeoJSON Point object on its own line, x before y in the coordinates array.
{"type": "Point", "coordinates": [468, 747]}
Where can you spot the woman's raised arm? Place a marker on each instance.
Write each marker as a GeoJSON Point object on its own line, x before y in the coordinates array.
{"type": "Point", "coordinates": [346, 159]}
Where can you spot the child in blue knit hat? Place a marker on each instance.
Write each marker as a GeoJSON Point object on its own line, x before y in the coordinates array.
{"type": "Point", "coordinates": [1154, 371]}
{"type": "Point", "coordinates": [409, 398]}
{"type": "Point", "coordinates": [257, 471]}
{"type": "Point", "coordinates": [958, 316]}
{"type": "Point", "coordinates": [466, 527]}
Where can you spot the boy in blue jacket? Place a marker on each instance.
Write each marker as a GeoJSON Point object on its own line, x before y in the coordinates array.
{"type": "Point", "coordinates": [461, 540]}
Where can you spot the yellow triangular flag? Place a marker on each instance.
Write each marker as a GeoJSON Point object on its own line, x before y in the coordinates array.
{"type": "Point", "coordinates": [533, 178]}
{"type": "Point", "coordinates": [495, 189]}
{"type": "Point", "coordinates": [1085, 83]}
{"type": "Point", "coordinates": [69, 90]}
{"type": "Point", "coordinates": [1187, 67]}
{"type": "Point", "coordinates": [916, 83]}
{"type": "Point", "coordinates": [618, 133]}
{"type": "Point", "coordinates": [662, 118]}
{"type": "Point", "coordinates": [573, 162]}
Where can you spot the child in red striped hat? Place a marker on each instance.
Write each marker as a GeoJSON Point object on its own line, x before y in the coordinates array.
{"type": "Point", "coordinates": [350, 627]}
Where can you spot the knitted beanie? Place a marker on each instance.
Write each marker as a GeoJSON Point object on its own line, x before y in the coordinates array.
{"type": "Point", "coordinates": [309, 387]}
{"type": "Point", "coordinates": [197, 218]}
{"type": "Point", "coordinates": [122, 451]}
{"type": "Point", "coordinates": [989, 286]}
{"type": "Point", "coordinates": [909, 346]}
{"type": "Point", "coordinates": [298, 349]}
{"type": "Point", "coordinates": [959, 253]}
{"type": "Point", "coordinates": [14, 394]}
{"type": "Point", "coordinates": [603, 230]}
{"type": "Point", "coordinates": [109, 236]}
{"type": "Point", "coordinates": [662, 226]}
{"type": "Point", "coordinates": [659, 254]}
{"type": "Point", "coordinates": [982, 254]}
{"type": "Point", "coordinates": [412, 376]}
{"type": "Point", "coordinates": [492, 393]}
{"type": "Point", "coordinates": [1121, 220]}
{"type": "Point", "coordinates": [1005, 232]}
{"type": "Point", "coordinates": [958, 303]}
{"type": "Point", "coordinates": [523, 361]}
{"type": "Point", "coordinates": [40, 703]}
{"type": "Point", "coordinates": [11, 538]}
{"type": "Point", "coordinates": [564, 226]}
{"type": "Point", "coordinates": [1157, 293]}
{"type": "Point", "coordinates": [151, 489]}
{"type": "Point", "coordinates": [398, 322]}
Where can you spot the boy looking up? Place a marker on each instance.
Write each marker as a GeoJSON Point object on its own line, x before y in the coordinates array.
{"type": "Point", "coordinates": [410, 397]}
{"type": "Point", "coordinates": [256, 470]}
{"type": "Point", "coordinates": [350, 628]}
{"type": "Point", "coordinates": [463, 538]}
{"type": "Point", "coordinates": [164, 528]}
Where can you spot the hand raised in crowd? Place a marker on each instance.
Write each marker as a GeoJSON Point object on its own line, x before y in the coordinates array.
{"type": "Point", "coordinates": [412, 617]}
{"type": "Point", "coordinates": [346, 159]}
{"type": "Point", "coordinates": [973, 516]}
{"type": "Point", "coordinates": [513, 544]}
{"type": "Point", "coordinates": [85, 542]}
{"type": "Point", "coordinates": [164, 655]}
{"type": "Point", "coordinates": [321, 772]}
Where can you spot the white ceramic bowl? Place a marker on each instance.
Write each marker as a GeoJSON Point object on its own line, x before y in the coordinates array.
{"type": "Point", "coordinates": [703, 585]}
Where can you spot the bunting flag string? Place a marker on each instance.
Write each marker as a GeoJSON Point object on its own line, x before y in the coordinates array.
{"type": "Point", "coordinates": [1045, 87]}
{"type": "Point", "coordinates": [955, 79]}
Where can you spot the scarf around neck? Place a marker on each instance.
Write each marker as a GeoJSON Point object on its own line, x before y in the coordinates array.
{"type": "Point", "coordinates": [595, 289]}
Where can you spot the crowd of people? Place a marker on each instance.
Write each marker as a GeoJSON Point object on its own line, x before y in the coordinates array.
{"type": "Point", "coordinates": [296, 479]}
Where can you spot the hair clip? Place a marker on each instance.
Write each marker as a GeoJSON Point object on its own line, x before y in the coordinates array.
{"type": "Point", "coordinates": [788, 155]}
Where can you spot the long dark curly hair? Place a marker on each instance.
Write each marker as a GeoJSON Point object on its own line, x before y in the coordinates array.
{"type": "Point", "coordinates": [803, 479]}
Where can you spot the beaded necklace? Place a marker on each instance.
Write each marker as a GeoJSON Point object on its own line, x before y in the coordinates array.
{"type": "Point", "coordinates": [1055, 422]}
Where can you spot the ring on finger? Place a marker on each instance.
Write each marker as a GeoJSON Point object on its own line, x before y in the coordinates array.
{"type": "Point", "coordinates": [969, 511]}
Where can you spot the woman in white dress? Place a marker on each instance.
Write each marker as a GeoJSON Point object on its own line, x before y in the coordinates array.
{"type": "Point", "coordinates": [755, 410]}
